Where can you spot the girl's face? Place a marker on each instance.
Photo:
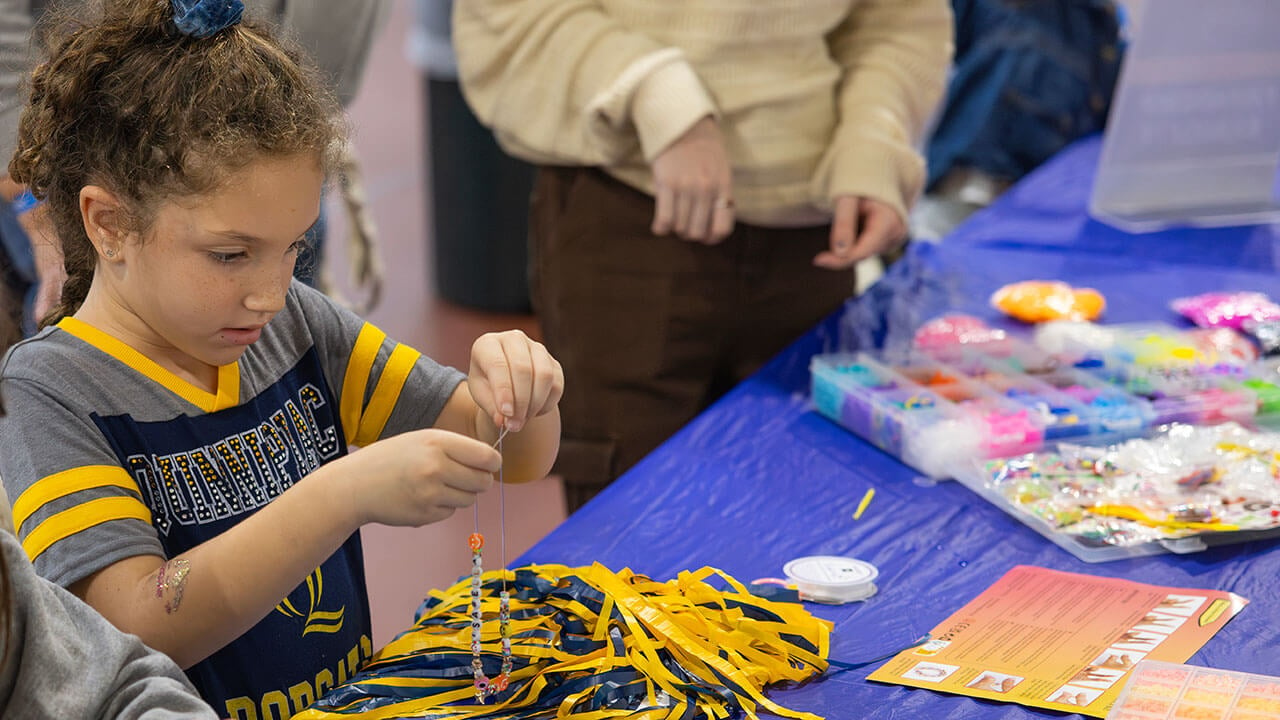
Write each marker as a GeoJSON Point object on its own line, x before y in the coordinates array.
{"type": "Point", "coordinates": [213, 269]}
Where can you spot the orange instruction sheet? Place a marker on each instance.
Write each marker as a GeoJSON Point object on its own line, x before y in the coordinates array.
{"type": "Point", "coordinates": [1060, 640]}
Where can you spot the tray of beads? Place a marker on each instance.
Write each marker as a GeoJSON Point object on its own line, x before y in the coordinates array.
{"type": "Point", "coordinates": [1162, 691]}
{"type": "Point", "coordinates": [1182, 490]}
{"type": "Point", "coordinates": [1263, 380]}
{"type": "Point", "coordinates": [937, 411]}
{"type": "Point", "coordinates": [1074, 405]}
{"type": "Point", "coordinates": [1188, 376]}
{"type": "Point", "coordinates": [935, 407]}
{"type": "Point", "coordinates": [925, 413]}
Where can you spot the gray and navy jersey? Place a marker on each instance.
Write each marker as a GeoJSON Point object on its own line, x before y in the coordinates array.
{"type": "Point", "coordinates": [107, 455]}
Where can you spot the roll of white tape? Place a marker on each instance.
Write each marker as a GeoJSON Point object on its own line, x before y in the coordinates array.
{"type": "Point", "coordinates": [832, 579]}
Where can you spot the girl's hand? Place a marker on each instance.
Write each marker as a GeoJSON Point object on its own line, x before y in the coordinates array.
{"type": "Point", "coordinates": [513, 379]}
{"type": "Point", "coordinates": [416, 478]}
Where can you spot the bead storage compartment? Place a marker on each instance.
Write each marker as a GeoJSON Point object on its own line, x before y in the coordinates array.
{"type": "Point", "coordinates": [1182, 490]}
{"type": "Point", "coordinates": [1163, 691]}
{"type": "Point", "coordinates": [1263, 379]}
{"type": "Point", "coordinates": [881, 406]}
{"type": "Point", "coordinates": [1007, 426]}
{"type": "Point", "coordinates": [1184, 380]}
{"type": "Point", "coordinates": [1113, 413]}
{"type": "Point", "coordinates": [1074, 406]}
{"type": "Point", "coordinates": [932, 425]}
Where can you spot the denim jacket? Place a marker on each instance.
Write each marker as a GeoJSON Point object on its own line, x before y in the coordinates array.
{"type": "Point", "coordinates": [1030, 76]}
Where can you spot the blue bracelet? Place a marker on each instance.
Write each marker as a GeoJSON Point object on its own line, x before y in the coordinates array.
{"type": "Point", "coordinates": [24, 202]}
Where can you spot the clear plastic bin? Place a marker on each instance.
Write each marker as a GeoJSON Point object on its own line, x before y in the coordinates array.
{"type": "Point", "coordinates": [1075, 406]}
{"type": "Point", "coordinates": [1263, 380]}
{"type": "Point", "coordinates": [1164, 366]}
{"type": "Point", "coordinates": [1006, 425]}
{"type": "Point", "coordinates": [1193, 137]}
{"type": "Point", "coordinates": [1159, 690]}
{"type": "Point", "coordinates": [1182, 490]}
{"type": "Point", "coordinates": [928, 415]}
{"type": "Point", "coordinates": [874, 402]}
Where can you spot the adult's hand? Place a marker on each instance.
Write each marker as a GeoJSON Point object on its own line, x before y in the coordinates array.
{"type": "Point", "coordinates": [693, 186]}
{"type": "Point", "coordinates": [861, 227]}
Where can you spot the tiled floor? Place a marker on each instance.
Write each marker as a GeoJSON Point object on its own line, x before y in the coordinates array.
{"type": "Point", "coordinates": [387, 116]}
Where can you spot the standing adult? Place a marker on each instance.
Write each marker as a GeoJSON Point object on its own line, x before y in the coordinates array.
{"type": "Point", "coordinates": [711, 172]}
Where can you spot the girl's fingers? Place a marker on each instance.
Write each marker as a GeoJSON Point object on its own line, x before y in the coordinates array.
{"type": "Point", "coordinates": [516, 350]}
{"type": "Point", "coordinates": [548, 383]}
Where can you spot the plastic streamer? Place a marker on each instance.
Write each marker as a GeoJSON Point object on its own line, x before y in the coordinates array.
{"type": "Point", "coordinates": [590, 643]}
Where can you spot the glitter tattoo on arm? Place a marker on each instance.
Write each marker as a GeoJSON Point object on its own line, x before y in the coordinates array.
{"type": "Point", "coordinates": [172, 577]}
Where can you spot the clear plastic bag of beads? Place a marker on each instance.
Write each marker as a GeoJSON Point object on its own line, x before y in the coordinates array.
{"type": "Point", "coordinates": [1185, 481]}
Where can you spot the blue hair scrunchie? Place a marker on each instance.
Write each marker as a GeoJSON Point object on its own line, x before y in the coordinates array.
{"type": "Point", "coordinates": [205, 18]}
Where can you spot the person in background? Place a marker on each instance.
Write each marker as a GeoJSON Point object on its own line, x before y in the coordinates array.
{"type": "Point", "coordinates": [1030, 78]}
{"type": "Point", "coordinates": [177, 443]}
{"type": "Point", "coordinates": [336, 36]}
{"type": "Point", "coordinates": [60, 659]}
{"type": "Point", "coordinates": [711, 173]}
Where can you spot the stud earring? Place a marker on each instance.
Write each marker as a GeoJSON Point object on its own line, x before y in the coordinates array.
{"type": "Point", "coordinates": [109, 252]}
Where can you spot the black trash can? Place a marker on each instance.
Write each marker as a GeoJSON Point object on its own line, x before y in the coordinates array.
{"type": "Point", "coordinates": [479, 194]}
{"type": "Point", "coordinates": [480, 207]}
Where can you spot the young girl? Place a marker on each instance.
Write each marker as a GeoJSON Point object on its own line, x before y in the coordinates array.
{"type": "Point", "coordinates": [176, 446]}
{"type": "Point", "coordinates": [60, 659]}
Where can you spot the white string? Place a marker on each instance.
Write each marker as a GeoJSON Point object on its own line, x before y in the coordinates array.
{"type": "Point", "coordinates": [475, 507]}
{"type": "Point", "coordinates": [502, 510]}
{"type": "Point", "coordinates": [502, 518]}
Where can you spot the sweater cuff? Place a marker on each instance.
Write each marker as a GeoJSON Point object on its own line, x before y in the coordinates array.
{"type": "Point", "coordinates": [886, 171]}
{"type": "Point", "coordinates": [666, 104]}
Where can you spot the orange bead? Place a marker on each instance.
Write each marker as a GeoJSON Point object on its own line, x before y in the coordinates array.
{"type": "Point", "coordinates": [475, 541]}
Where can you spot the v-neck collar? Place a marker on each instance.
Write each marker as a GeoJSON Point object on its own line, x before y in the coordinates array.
{"type": "Point", "coordinates": [226, 395]}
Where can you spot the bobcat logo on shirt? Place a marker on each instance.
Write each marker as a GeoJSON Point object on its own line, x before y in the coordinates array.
{"type": "Point", "coordinates": [316, 620]}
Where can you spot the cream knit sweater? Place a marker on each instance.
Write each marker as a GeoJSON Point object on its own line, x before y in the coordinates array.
{"type": "Point", "coordinates": [816, 98]}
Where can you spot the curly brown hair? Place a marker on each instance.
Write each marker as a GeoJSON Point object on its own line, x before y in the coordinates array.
{"type": "Point", "coordinates": [128, 103]}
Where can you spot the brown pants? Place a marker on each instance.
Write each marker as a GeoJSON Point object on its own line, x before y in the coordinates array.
{"type": "Point", "coordinates": [651, 330]}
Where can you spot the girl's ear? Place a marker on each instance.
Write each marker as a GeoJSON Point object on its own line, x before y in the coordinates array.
{"type": "Point", "coordinates": [104, 220]}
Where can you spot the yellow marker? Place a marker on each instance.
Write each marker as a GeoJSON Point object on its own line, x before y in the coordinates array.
{"type": "Point", "coordinates": [866, 500]}
{"type": "Point", "coordinates": [1213, 612]}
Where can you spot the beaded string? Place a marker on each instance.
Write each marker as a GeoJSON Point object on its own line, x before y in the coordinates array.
{"type": "Point", "coordinates": [484, 686]}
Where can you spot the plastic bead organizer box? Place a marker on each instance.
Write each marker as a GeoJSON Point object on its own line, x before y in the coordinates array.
{"type": "Point", "coordinates": [1154, 443]}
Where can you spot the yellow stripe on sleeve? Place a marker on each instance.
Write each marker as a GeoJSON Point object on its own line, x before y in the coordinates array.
{"type": "Point", "coordinates": [356, 379]}
{"type": "Point", "coordinates": [386, 393]}
{"type": "Point", "coordinates": [81, 517]}
{"type": "Point", "coordinates": [60, 485]}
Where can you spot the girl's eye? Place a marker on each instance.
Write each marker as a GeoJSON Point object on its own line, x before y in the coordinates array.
{"type": "Point", "coordinates": [226, 257]}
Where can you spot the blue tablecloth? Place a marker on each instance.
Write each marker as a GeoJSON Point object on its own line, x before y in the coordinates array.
{"type": "Point", "coordinates": [759, 478]}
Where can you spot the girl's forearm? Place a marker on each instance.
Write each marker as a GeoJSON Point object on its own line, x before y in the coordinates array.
{"type": "Point", "coordinates": [193, 605]}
